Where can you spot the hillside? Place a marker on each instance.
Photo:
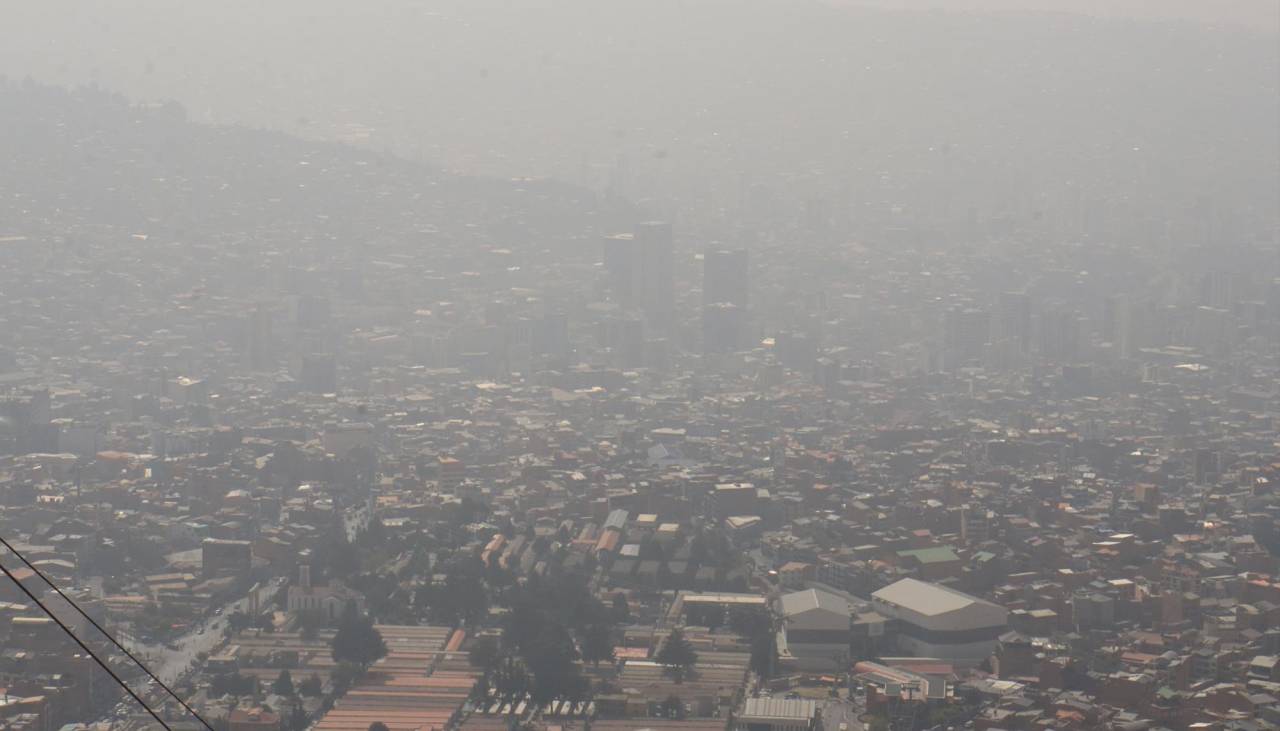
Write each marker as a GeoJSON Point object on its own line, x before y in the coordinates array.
{"type": "Point", "coordinates": [88, 158]}
{"type": "Point", "coordinates": [688, 101]}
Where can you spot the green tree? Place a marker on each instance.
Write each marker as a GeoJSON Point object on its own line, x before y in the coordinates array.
{"type": "Point", "coordinates": [757, 627]}
{"type": "Point", "coordinates": [673, 707]}
{"type": "Point", "coordinates": [308, 627]}
{"type": "Point", "coordinates": [464, 597]}
{"type": "Point", "coordinates": [344, 675]}
{"type": "Point", "coordinates": [555, 674]}
{"type": "Point", "coordinates": [298, 718]}
{"type": "Point", "coordinates": [238, 620]}
{"type": "Point", "coordinates": [283, 684]}
{"type": "Point", "coordinates": [541, 545]}
{"type": "Point", "coordinates": [677, 655]}
{"type": "Point", "coordinates": [479, 694]}
{"type": "Point", "coordinates": [357, 641]}
{"type": "Point", "coordinates": [485, 652]}
{"type": "Point", "coordinates": [948, 715]}
{"type": "Point", "coordinates": [523, 625]}
{"type": "Point", "coordinates": [764, 653]}
{"type": "Point", "coordinates": [535, 632]}
{"type": "Point", "coordinates": [334, 556]}
{"type": "Point", "coordinates": [311, 687]}
{"type": "Point", "coordinates": [510, 680]}
{"type": "Point", "coordinates": [577, 688]}
{"type": "Point", "coordinates": [375, 534]}
{"type": "Point", "coordinates": [596, 643]}
{"type": "Point", "coordinates": [621, 609]}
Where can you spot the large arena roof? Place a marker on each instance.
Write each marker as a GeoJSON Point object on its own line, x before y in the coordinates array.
{"type": "Point", "coordinates": [937, 607]}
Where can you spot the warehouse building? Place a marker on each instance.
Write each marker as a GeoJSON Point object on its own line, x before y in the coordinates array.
{"type": "Point", "coordinates": [777, 714]}
{"type": "Point", "coordinates": [815, 629]}
{"type": "Point", "coordinates": [935, 621]}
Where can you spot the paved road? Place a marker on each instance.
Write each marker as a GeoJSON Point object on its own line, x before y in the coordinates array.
{"type": "Point", "coordinates": [836, 712]}
{"type": "Point", "coordinates": [205, 636]}
{"type": "Point", "coordinates": [169, 665]}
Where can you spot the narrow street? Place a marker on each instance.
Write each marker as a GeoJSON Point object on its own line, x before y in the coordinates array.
{"type": "Point", "coordinates": [170, 664]}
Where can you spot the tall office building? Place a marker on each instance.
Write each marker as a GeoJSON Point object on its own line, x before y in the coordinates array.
{"type": "Point", "coordinates": [965, 332]}
{"type": "Point", "coordinates": [1207, 466]}
{"type": "Point", "coordinates": [725, 277]}
{"type": "Point", "coordinates": [641, 269]}
{"type": "Point", "coordinates": [1013, 320]}
{"type": "Point", "coordinates": [1059, 335]}
{"type": "Point", "coordinates": [1220, 289]}
{"type": "Point", "coordinates": [657, 269]}
{"type": "Point", "coordinates": [723, 327]}
{"type": "Point", "coordinates": [626, 341]}
{"type": "Point", "coordinates": [1118, 325]}
{"type": "Point", "coordinates": [1211, 329]}
{"type": "Point", "coordinates": [259, 347]}
{"type": "Point", "coordinates": [550, 335]}
{"type": "Point", "coordinates": [622, 262]}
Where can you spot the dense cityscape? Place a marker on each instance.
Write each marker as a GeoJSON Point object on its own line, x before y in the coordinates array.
{"type": "Point", "coordinates": [302, 434]}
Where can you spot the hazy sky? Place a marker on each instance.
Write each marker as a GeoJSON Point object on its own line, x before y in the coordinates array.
{"type": "Point", "coordinates": [1260, 15]}
{"type": "Point", "coordinates": [690, 102]}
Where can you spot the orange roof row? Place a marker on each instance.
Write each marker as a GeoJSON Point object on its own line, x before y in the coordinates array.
{"type": "Point", "coordinates": [411, 689]}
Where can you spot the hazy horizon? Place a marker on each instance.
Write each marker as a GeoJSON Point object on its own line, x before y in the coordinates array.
{"type": "Point", "coordinates": [1257, 15]}
{"type": "Point", "coordinates": [650, 100]}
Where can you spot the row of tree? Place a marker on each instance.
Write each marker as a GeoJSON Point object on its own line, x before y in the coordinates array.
{"type": "Point", "coordinates": [537, 655]}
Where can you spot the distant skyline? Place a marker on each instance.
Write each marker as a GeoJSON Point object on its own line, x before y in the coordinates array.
{"type": "Point", "coordinates": [1259, 15]}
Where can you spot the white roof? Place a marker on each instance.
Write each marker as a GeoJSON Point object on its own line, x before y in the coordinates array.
{"type": "Point", "coordinates": [937, 607]}
{"type": "Point", "coordinates": [783, 709]}
{"type": "Point", "coordinates": [811, 599]}
{"type": "Point", "coordinates": [923, 597]}
{"type": "Point", "coordinates": [723, 598]}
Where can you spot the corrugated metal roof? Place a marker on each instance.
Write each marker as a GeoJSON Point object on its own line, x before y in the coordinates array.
{"type": "Point", "coordinates": [810, 599]}
{"type": "Point", "coordinates": [923, 597]}
{"type": "Point", "coordinates": [723, 598]}
{"type": "Point", "coordinates": [616, 520]}
{"type": "Point", "coordinates": [779, 708]}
